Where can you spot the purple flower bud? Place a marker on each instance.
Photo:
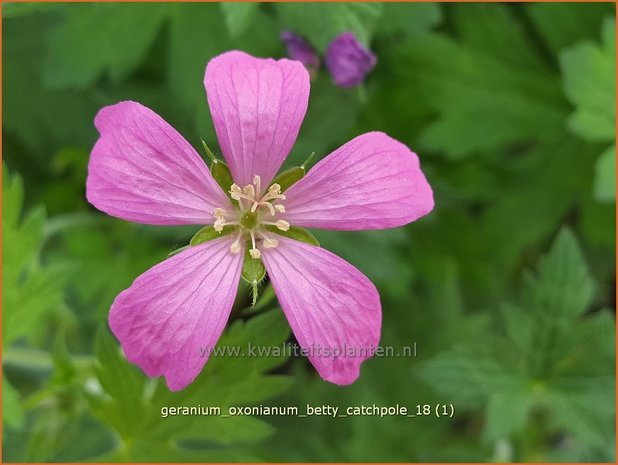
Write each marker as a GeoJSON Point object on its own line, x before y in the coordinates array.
{"type": "Point", "coordinates": [301, 50]}
{"type": "Point", "coordinates": [348, 61]}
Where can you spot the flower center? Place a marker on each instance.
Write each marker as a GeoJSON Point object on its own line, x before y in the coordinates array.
{"type": "Point", "coordinates": [254, 212]}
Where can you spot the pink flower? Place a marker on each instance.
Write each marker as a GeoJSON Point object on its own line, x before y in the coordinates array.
{"type": "Point", "coordinates": [142, 170]}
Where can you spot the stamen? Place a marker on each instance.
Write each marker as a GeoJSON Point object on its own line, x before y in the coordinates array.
{"type": "Point", "coordinates": [235, 191]}
{"type": "Point", "coordinates": [269, 206]}
{"type": "Point", "coordinates": [269, 242]}
{"type": "Point", "coordinates": [254, 252]}
{"type": "Point", "coordinates": [282, 225]}
{"type": "Point", "coordinates": [219, 223]}
{"type": "Point", "coordinates": [274, 192]}
{"type": "Point", "coordinates": [250, 191]}
{"type": "Point", "coordinates": [280, 208]}
{"type": "Point", "coordinates": [275, 189]}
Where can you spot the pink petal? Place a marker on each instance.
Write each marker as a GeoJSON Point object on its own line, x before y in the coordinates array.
{"type": "Point", "coordinates": [329, 304]}
{"type": "Point", "coordinates": [257, 107]}
{"type": "Point", "coordinates": [142, 170]}
{"type": "Point", "coordinates": [372, 182]}
{"type": "Point", "coordinates": [176, 309]}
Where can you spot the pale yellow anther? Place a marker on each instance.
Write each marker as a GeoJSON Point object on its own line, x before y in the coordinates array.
{"type": "Point", "coordinates": [280, 208]}
{"type": "Point", "coordinates": [275, 189]}
{"type": "Point", "coordinates": [235, 191]}
{"type": "Point", "coordinates": [282, 225]}
{"type": "Point", "coordinates": [249, 191]}
{"type": "Point", "coordinates": [255, 253]}
{"type": "Point", "coordinates": [219, 223]}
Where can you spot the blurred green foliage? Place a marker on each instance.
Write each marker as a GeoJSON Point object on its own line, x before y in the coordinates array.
{"type": "Point", "coordinates": [507, 288]}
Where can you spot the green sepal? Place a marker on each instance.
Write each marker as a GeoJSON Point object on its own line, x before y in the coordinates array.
{"type": "Point", "coordinates": [176, 251]}
{"type": "Point", "coordinates": [253, 271]}
{"type": "Point", "coordinates": [288, 177]}
{"type": "Point", "coordinates": [221, 172]}
{"type": "Point", "coordinates": [297, 233]}
{"type": "Point", "coordinates": [208, 233]}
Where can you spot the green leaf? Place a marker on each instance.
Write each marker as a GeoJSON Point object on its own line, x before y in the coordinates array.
{"type": "Point", "coordinates": [589, 73]}
{"type": "Point", "coordinates": [12, 412]}
{"type": "Point", "coordinates": [564, 24]}
{"type": "Point", "coordinates": [101, 38]}
{"type": "Point", "coordinates": [123, 404]}
{"type": "Point", "coordinates": [541, 188]}
{"type": "Point", "coordinates": [11, 10]}
{"type": "Point", "coordinates": [232, 430]}
{"type": "Point", "coordinates": [492, 30]}
{"type": "Point", "coordinates": [563, 287]}
{"type": "Point", "coordinates": [483, 74]}
{"type": "Point", "coordinates": [322, 22]}
{"type": "Point", "coordinates": [605, 176]}
{"type": "Point", "coordinates": [547, 359]}
{"type": "Point", "coordinates": [43, 120]}
{"type": "Point", "coordinates": [409, 18]}
{"type": "Point", "coordinates": [238, 16]}
{"type": "Point", "coordinates": [507, 412]}
{"type": "Point", "coordinates": [33, 292]}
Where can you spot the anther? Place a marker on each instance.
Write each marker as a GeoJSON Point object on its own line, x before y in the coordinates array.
{"type": "Point", "coordinates": [275, 189]}
{"type": "Point", "coordinates": [282, 225]}
{"type": "Point", "coordinates": [249, 190]}
{"type": "Point", "coordinates": [219, 223]}
{"type": "Point", "coordinates": [255, 253]}
{"type": "Point", "coordinates": [280, 208]}
{"type": "Point", "coordinates": [235, 191]}
{"type": "Point", "coordinates": [269, 242]}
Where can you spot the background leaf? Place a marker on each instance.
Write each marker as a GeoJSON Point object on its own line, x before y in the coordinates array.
{"type": "Point", "coordinates": [322, 22]}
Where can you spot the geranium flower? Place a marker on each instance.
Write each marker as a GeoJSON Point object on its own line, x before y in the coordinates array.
{"type": "Point", "coordinates": [142, 170]}
{"type": "Point", "coordinates": [348, 61]}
